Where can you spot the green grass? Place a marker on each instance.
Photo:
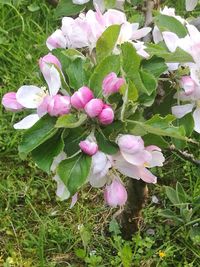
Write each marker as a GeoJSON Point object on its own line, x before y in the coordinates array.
{"type": "Point", "coordinates": [36, 229]}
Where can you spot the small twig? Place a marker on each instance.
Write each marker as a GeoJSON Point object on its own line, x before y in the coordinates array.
{"type": "Point", "coordinates": [148, 18]}
{"type": "Point", "coordinates": [185, 155]}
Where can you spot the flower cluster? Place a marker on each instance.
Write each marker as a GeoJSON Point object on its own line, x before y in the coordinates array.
{"type": "Point", "coordinates": [85, 30]}
{"type": "Point", "coordinates": [92, 115]}
{"type": "Point", "coordinates": [132, 160]}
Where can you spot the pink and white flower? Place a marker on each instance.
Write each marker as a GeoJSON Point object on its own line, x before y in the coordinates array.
{"type": "Point", "coordinates": [134, 159]}
{"type": "Point", "coordinates": [85, 30]}
{"type": "Point", "coordinates": [40, 99]}
{"type": "Point", "coordinates": [191, 94]}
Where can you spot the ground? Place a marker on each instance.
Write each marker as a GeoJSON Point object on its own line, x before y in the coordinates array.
{"type": "Point", "coordinates": [37, 229]}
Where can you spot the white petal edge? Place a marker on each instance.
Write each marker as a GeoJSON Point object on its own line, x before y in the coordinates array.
{"type": "Point", "coordinates": [196, 117]}
{"type": "Point", "coordinates": [182, 110]}
{"type": "Point", "coordinates": [26, 122]}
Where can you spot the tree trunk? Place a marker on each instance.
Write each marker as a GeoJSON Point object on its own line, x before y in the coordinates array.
{"type": "Point", "coordinates": [130, 217]}
{"type": "Point", "coordinates": [53, 2]}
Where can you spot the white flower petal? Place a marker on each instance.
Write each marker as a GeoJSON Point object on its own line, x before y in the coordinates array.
{"type": "Point", "coordinates": [138, 158]}
{"type": "Point", "coordinates": [182, 110]}
{"type": "Point", "coordinates": [157, 36]}
{"type": "Point", "coordinates": [196, 117]}
{"type": "Point", "coordinates": [53, 80]}
{"type": "Point", "coordinates": [30, 96]}
{"type": "Point", "coordinates": [62, 192]}
{"type": "Point", "coordinates": [140, 33]}
{"type": "Point", "coordinates": [190, 4]}
{"type": "Point", "coordinates": [27, 122]}
{"type": "Point", "coordinates": [171, 40]}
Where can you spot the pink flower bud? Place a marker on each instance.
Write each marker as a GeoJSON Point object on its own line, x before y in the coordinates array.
{"type": "Point", "coordinates": [59, 105]}
{"type": "Point", "coordinates": [115, 194]}
{"type": "Point", "coordinates": [48, 59]}
{"type": "Point", "coordinates": [9, 101]}
{"type": "Point", "coordinates": [188, 85]}
{"type": "Point", "coordinates": [94, 107]}
{"type": "Point", "coordinates": [112, 84]}
{"type": "Point", "coordinates": [130, 143]}
{"type": "Point", "coordinates": [54, 105]}
{"type": "Point", "coordinates": [89, 148]}
{"type": "Point", "coordinates": [80, 98]}
{"type": "Point", "coordinates": [106, 116]}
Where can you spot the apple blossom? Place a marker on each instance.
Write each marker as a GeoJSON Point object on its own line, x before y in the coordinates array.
{"type": "Point", "coordinates": [115, 194]}
{"type": "Point", "coordinates": [80, 98]}
{"type": "Point", "coordinates": [10, 102]}
{"type": "Point", "coordinates": [88, 147]}
{"type": "Point", "coordinates": [194, 98]}
{"type": "Point", "coordinates": [85, 30]}
{"type": "Point", "coordinates": [94, 107]}
{"type": "Point", "coordinates": [111, 84]}
{"type": "Point", "coordinates": [106, 116]}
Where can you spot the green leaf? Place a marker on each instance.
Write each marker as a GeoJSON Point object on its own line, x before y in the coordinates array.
{"type": "Point", "coordinates": [106, 145]}
{"type": "Point", "coordinates": [168, 23]}
{"type": "Point", "coordinates": [160, 50]}
{"type": "Point", "coordinates": [67, 8]}
{"type": "Point", "coordinates": [132, 92]}
{"type": "Point", "coordinates": [33, 7]}
{"type": "Point", "coordinates": [44, 154]}
{"type": "Point", "coordinates": [149, 82]}
{"type": "Point", "coordinates": [38, 134]}
{"type": "Point", "coordinates": [155, 65]}
{"type": "Point", "coordinates": [152, 139]}
{"type": "Point", "coordinates": [73, 139]}
{"type": "Point", "coordinates": [171, 215]}
{"type": "Point", "coordinates": [171, 194]}
{"type": "Point", "coordinates": [131, 60]}
{"type": "Point", "coordinates": [161, 126]}
{"type": "Point", "coordinates": [181, 194]}
{"type": "Point", "coordinates": [109, 64]}
{"type": "Point", "coordinates": [73, 65]}
{"type": "Point", "coordinates": [143, 81]}
{"type": "Point", "coordinates": [74, 171]}
{"type": "Point", "coordinates": [70, 121]}
{"type": "Point", "coordinates": [107, 41]}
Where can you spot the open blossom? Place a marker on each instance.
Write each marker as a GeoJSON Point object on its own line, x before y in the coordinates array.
{"type": "Point", "coordinates": [115, 194]}
{"type": "Point", "coordinates": [134, 159]}
{"type": "Point", "coordinates": [94, 107]}
{"type": "Point", "coordinates": [88, 147]}
{"type": "Point", "coordinates": [39, 98]}
{"type": "Point", "coordinates": [107, 115]}
{"type": "Point", "coordinates": [191, 94]}
{"type": "Point", "coordinates": [80, 98]}
{"type": "Point", "coordinates": [10, 102]}
{"type": "Point", "coordinates": [85, 30]}
{"type": "Point", "coordinates": [111, 84]}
